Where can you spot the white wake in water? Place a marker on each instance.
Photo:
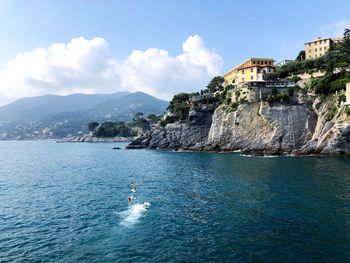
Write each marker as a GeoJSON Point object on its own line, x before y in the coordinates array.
{"type": "Point", "coordinates": [132, 215]}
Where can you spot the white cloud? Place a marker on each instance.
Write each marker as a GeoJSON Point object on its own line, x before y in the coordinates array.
{"type": "Point", "coordinates": [87, 66]}
{"type": "Point", "coordinates": [335, 28]}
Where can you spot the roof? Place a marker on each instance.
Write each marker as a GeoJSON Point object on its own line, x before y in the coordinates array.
{"type": "Point", "coordinates": [245, 61]}
{"type": "Point", "coordinates": [318, 39]}
{"type": "Point", "coordinates": [337, 39]}
{"type": "Point", "coordinates": [255, 65]}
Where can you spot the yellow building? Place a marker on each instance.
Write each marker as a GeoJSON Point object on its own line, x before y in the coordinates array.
{"type": "Point", "coordinates": [347, 94]}
{"type": "Point", "coordinates": [253, 69]}
{"type": "Point", "coordinates": [317, 48]}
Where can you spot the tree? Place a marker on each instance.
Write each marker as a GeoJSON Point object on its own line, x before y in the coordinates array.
{"type": "Point", "coordinates": [153, 118]}
{"type": "Point", "coordinates": [112, 129]}
{"type": "Point", "coordinates": [216, 84]}
{"type": "Point", "coordinates": [179, 105]}
{"type": "Point", "coordinates": [92, 126]}
{"type": "Point", "coordinates": [301, 56]}
{"type": "Point", "coordinates": [140, 121]}
{"type": "Point", "coordinates": [138, 116]}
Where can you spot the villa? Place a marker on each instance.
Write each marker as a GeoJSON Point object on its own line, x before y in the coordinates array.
{"type": "Point", "coordinates": [347, 94]}
{"type": "Point", "coordinates": [318, 47]}
{"type": "Point", "coordinates": [253, 69]}
{"type": "Point", "coordinates": [250, 80]}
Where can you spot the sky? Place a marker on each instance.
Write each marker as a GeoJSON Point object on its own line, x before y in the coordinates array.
{"type": "Point", "coordinates": [160, 47]}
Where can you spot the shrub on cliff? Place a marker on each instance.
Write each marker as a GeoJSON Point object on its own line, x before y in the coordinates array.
{"type": "Point", "coordinates": [92, 126]}
{"type": "Point", "coordinates": [337, 57]}
{"type": "Point", "coordinates": [216, 84]}
{"type": "Point", "coordinates": [168, 119]}
{"type": "Point", "coordinates": [112, 129]}
{"type": "Point", "coordinates": [347, 111]}
{"type": "Point", "coordinates": [179, 106]}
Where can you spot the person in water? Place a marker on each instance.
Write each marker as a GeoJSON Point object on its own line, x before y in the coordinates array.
{"type": "Point", "coordinates": [133, 187]}
{"type": "Point", "coordinates": [130, 199]}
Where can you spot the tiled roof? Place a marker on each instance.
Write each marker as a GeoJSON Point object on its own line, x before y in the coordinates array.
{"type": "Point", "coordinates": [255, 65]}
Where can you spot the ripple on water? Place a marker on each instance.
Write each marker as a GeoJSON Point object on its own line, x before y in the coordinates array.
{"type": "Point", "coordinates": [68, 203]}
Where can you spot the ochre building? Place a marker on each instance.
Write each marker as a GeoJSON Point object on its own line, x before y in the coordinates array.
{"type": "Point", "coordinates": [253, 69]}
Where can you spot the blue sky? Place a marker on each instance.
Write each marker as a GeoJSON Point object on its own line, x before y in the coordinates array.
{"type": "Point", "coordinates": [235, 30]}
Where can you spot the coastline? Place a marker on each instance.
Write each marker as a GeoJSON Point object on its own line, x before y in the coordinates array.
{"type": "Point", "coordinates": [93, 139]}
{"type": "Point", "coordinates": [263, 154]}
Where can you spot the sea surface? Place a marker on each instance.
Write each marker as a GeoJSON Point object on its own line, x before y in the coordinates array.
{"type": "Point", "coordinates": [62, 202]}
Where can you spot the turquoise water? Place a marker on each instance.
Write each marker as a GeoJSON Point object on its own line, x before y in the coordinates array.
{"type": "Point", "coordinates": [68, 203]}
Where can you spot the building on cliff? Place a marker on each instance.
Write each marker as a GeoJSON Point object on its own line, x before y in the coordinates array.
{"type": "Point", "coordinates": [254, 91]}
{"type": "Point", "coordinates": [318, 47]}
{"type": "Point", "coordinates": [250, 80]}
{"type": "Point", "coordinates": [347, 94]}
{"type": "Point", "coordinates": [252, 69]}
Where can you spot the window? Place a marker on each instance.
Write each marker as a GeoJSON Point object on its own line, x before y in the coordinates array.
{"type": "Point", "coordinates": [315, 55]}
{"type": "Point", "coordinates": [310, 57]}
{"type": "Point", "coordinates": [259, 70]}
{"type": "Point", "coordinates": [315, 49]}
{"type": "Point", "coordinates": [270, 63]}
{"type": "Point", "coordinates": [309, 44]}
{"type": "Point", "coordinates": [309, 50]}
{"type": "Point", "coordinates": [253, 62]}
{"type": "Point", "coordinates": [243, 71]}
{"type": "Point", "coordinates": [251, 77]}
{"type": "Point", "coordinates": [243, 79]}
{"type": "Point", "coordinates": [251, 70]}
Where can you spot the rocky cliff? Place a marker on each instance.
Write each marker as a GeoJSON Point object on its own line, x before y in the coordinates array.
{"type": "Point", "coordinates": [191, 134]}
{"type": "Point", "coordinates": [303, 128]}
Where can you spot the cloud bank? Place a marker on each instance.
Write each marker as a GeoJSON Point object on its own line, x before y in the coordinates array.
{"type": "Point", "coordinates": [87, 66]}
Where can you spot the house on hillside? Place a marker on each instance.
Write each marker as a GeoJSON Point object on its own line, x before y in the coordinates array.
{"type": "Point", "coordinates": [252, 69]}
{"type": "Point", "coordinates": [318, 47]}
{"type": "Point", "coordinates": [347, 94]}
{"type": "Point", "coordinates": [250, 80]}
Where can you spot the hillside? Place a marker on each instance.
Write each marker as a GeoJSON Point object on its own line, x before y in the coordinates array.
{"type": "Point", "coordinates": [52, 116]}
{"type": "Point", "coordinates": [35, 108]}
{"type": "Point", "coordinates": [124, 108]}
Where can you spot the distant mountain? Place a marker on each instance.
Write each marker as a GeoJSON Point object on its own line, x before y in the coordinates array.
{"type": "Point", "coordinates": [124, 108]}
{"type": "Point", "coordinates": [35, 108]}
{"type": "Point", "coordinates": [58, 116]}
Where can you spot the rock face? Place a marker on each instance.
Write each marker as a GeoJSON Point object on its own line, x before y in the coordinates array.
{"type": "Point", "coordinates": [303, 128]}
{"type": "Point", "coordinates": [189, 135]}
{"type": "Point", "coordinates": [88, 138]}
{"type": "Point", "coordinates": [255, 128]}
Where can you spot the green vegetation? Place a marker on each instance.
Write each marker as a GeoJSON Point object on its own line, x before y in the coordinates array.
{"type": "Point", "coordinates": [168, 119]}
{"type": "Point", "coordinates": [335, 63]}
{"type": "Point", "coordinates": [282, 97]}
{"type": "Point", "coordinates": [330, 83]}
{"type": "Point", "coordinates": [152, 118]}
{"type": "Point", "coordinates": [122, 129]}
{"type": "Point", "coordinates": [113, 129]}
{"type": "Point", "coordinates": [347, 111]}
{"type": "Point", "coordinates": [337, 57]}
{"type": "Point", "coordinates": [179, 106]}
{"type": "Point", "coordinates": [216, 84]}
{"type": "Point", "coordinates": [92, 126]}
{"type": "Point", "coordinates": [140, 121]}
{"type": "Point", "coordinates": [301, 56]}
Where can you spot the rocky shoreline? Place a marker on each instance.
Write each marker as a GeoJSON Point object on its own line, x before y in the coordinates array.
{"type": "Point", "coordinates": [93, 139]}
{"type": "Point", "coordinates": [302, 128]}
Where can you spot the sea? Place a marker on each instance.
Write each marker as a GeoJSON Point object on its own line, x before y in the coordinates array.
{"type": "Point", "coordinates": [68, 202]}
